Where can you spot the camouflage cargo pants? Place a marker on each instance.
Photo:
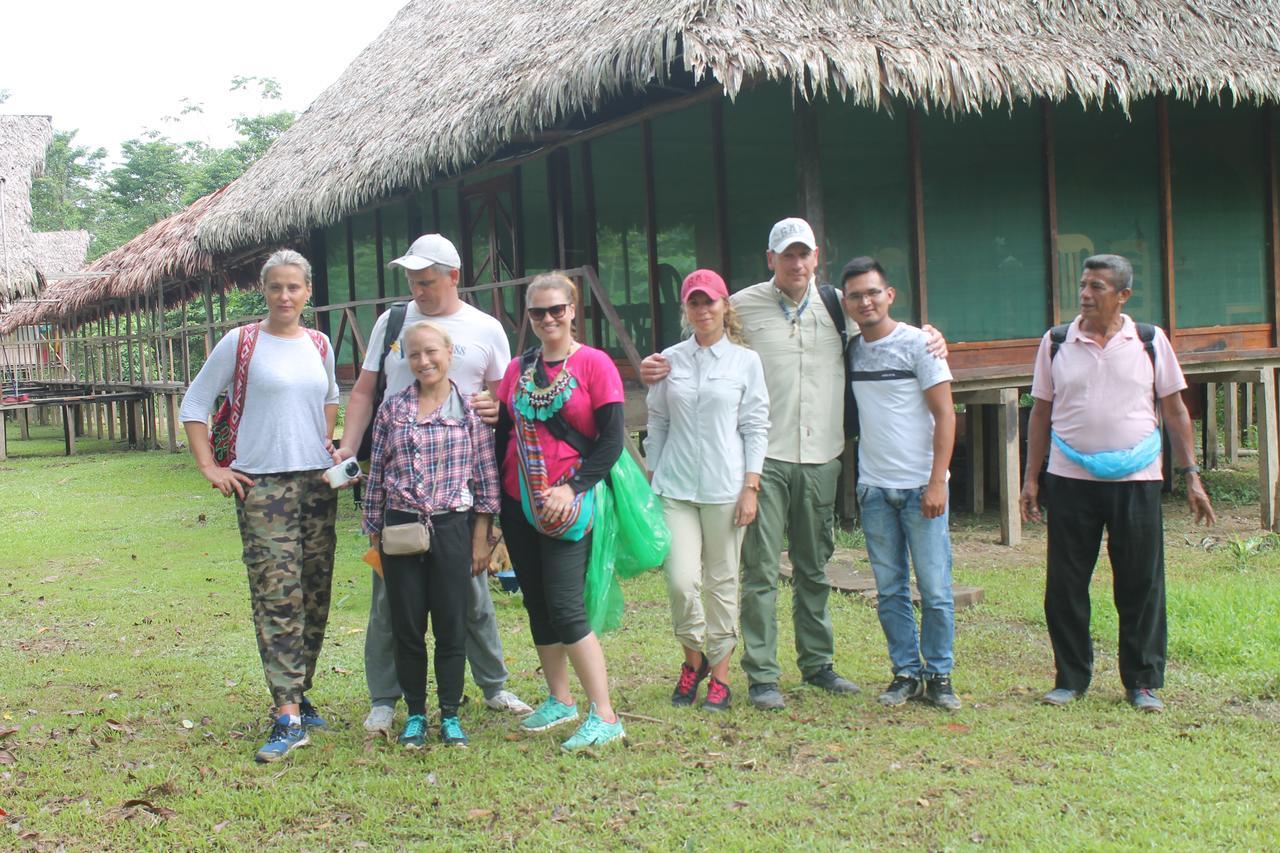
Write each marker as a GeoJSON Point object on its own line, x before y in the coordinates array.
{"type": "Point", "coordinates": [286, 525]}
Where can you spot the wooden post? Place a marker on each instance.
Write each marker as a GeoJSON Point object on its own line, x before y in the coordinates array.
{"type": "Point", "coordinates": [1007, 429]}
{"type": "Point", "coordinates": [1210, 433]}
{"type": "Point", "coordinates": [974, 424]}
{"type": "Point", "coordinates": [206, 292]}
{"type": "Point", "coordinates": [1248, 409]}
{"type": "Point", "coordinates": [4, 439]}
{"type": "Point", "coordinates": [171, 415]}
{"type": "Point", "coordinates": [1051, 213]}
{"type": "Point", "coordinates": [808, 178]}
{"type": "Point", "coordinates": [1268, 462]}
{"type": "Point", "coordinates": [1231, 422]}
{"type": "Point", "coordinates": [24, 424]}
{"type": "Point", "coordinates": [68, 431]}
{"type": "Point", "coordinates": [915, 168]}
{"type": "Point", "coordinates": [1165, 174]}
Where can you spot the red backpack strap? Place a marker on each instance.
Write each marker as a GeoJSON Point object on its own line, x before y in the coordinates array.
{"type": "Point", "coordinates": [321, 342]}
{"type": "Point", "coordinates": [240, 378]}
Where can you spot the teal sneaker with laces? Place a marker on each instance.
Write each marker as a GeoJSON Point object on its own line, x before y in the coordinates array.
{"type": "Point", "coordinates": [285, 737]}
{"type": "Point", "coordinates": [594, 732]}
{"type": "Point", "coordinates": [451, 732]}
{"type": "Point", "coordinates": [551, 713]}
{"type": "Point", "coordinates": [311, 718]}
{"type": "Point", "coordinates": [414, 735]}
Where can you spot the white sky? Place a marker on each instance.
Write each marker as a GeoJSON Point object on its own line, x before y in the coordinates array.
{"type": "Point", "coordinates": [113, 68]}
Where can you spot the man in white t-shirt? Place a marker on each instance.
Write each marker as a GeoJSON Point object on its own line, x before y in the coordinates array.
{"type": "Point", "coordinates": [480, 356]}
{"type": "Point", "coordinates": [908, 426]}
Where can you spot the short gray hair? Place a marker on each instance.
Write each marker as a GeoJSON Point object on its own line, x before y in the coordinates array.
{"type": "Point", "coordinates": [285, 258]}
{"type": "Point", "coordinates": [1121, 269]}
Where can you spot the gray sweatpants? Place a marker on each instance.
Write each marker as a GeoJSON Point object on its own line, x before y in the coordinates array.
{"type": "Point", "coordinates": [484, 648]}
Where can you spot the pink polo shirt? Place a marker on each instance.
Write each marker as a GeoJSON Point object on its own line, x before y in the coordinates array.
{"type": "Point", "coordinates": [1101, 396]}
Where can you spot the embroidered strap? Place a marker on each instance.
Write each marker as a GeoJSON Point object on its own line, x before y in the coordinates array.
{"type": "Point", "coordinates": [240, 378]}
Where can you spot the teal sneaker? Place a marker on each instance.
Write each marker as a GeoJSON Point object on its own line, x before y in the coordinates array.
{"type": "Point", "coordinates": [284, 739]}
{"type": "Point", "coordinates": [311, 718]}
{"type": "Point", "coordinates": [594, 732]}
{"type": "Point", "coordinates": [414, 735]}
{"type": "Point", "coordinates": [451, 732]}
{"type": "Point", "coordinates": [551, 713]}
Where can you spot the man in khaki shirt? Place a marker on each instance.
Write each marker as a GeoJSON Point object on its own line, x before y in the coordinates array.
{"type": "Point", "coordinates": [785, 321]}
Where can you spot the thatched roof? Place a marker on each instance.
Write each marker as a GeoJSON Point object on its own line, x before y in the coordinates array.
{"type": "Point", "coordinates": [450, 82]}
{"type": "Point", "coordinates": [58, 253]}
{"type": "Point", "coordinates": [23, 140]}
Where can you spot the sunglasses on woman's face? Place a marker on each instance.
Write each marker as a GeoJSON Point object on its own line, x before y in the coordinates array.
{"type": "Point", "coordinates": [556, 312]}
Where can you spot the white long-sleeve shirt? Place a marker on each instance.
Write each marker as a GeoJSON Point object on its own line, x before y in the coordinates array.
{"type": "Point", "coordinates": [708, 422]}
{"type": "Point", "coordinates": [283, 427]}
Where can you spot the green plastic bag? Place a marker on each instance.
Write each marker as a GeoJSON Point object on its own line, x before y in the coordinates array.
{"type": "Point", "coordinates": [602, 593]}
{"type": "Point", "coordinates": [643, 537]}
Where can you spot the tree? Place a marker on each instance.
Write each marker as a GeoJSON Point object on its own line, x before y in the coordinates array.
{"type": "Point", "coordinates": [62, 199]}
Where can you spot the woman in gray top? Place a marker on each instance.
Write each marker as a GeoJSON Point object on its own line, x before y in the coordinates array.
{"type": "Point", "coordinates": [708, 430]}
{"type": "Point", "coordinates": [283, 397]}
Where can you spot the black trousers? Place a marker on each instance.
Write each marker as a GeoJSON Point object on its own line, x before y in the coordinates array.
{"type": "Point", "coordinates": [552, 575]}
{"type": "Point", "coordinates": [1079, 511]}
{"type": "Point", "coordinates": [435, 583]}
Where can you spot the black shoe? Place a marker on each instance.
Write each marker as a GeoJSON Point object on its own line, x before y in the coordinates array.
{"type": "Point", "coordinates": [938, 692]}
{"type": "Point", "coordinates": [766, 697]}
{"type": "Point", "coordinates": [687, 687]}
{"type": "Point", "coordinates": [902, 688]}
{"type": "Point", "coordinates": [828, 680]}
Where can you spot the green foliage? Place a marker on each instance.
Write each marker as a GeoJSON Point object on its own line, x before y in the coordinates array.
{"type": "Point", "coordinates": [156, 176]}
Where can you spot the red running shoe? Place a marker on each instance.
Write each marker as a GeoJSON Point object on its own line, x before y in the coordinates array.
{"type": "Point", "coordinates": [687, 687]}
{"type": "Point", "coordinates": [717, 695]}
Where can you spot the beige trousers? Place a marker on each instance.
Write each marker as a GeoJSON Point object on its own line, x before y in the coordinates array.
{"type": "Point", "coordinates": [702, 575]}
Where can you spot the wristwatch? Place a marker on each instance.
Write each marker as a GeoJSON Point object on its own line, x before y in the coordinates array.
{"type": "Point", "coordinates": [1190, 469]}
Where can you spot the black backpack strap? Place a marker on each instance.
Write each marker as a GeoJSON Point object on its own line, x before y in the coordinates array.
{"type": "Point", "coordinates": [395, 324]}
{"type": "Point", "coordinates": [831, 299]}
{"type": "Point", "coordinates": [1057, 337]}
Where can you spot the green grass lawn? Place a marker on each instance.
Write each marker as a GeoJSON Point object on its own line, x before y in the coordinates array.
{"type": "Point", "coordinates": [131, 701]}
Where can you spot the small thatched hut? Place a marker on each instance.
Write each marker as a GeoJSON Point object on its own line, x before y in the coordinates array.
{"type": "Point", "coordinates": [23, 140]}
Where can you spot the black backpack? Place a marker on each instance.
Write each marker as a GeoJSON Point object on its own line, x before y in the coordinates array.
{"type": "Point", "coordinates": [831, 299]}
{"type": "Point", "coordinates": [395, 323]}
{"type": "Point", "coordinates": [1146, 334]}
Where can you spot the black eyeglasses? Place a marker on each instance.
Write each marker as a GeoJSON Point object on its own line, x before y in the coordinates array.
{"type": "Point", "coordinates": [556, 312]}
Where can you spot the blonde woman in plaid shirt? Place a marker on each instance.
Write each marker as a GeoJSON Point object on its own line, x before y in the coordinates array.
{"type": "Point", "coordinates": [432, 459]}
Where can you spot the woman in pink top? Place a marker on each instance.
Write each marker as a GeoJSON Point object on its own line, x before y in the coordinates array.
{"type": "Point", "coordinates": [560, 429]}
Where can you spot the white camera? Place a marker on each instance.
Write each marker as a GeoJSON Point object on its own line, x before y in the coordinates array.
{"type": "Point", "coordinates": [342, 473]}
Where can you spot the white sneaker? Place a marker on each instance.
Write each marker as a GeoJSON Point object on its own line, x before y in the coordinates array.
{"type": "Point", "coordinates": [379, 720]}
{"type": "Point", "coordinates": [505, 700]}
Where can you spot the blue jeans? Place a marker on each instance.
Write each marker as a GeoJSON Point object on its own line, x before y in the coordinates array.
{"type": "Point", "coordinates": [893, 525]}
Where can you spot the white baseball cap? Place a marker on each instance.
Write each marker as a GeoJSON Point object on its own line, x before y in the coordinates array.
{"type": "Point", "coordinates": [427, 250]}
{"type": "Point", "coordinates": [789, 231]}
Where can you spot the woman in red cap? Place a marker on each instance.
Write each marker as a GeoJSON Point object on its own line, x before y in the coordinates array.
{"type": "Point", "coordinates": [708, 430]}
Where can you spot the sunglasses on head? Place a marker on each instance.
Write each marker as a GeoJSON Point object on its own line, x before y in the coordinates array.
{"type": "Point", "coordinates": [556, 312]}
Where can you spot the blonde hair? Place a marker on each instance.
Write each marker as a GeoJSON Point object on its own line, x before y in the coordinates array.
{"type": "Point", "coordinates": [428, 326]}
{"type": "Point", "coordinates": [554, 280]}
{"type": "Point", "coordinates": [732, 322]}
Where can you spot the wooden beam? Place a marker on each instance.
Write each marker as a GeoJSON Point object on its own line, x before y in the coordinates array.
{"type": "Point", "coordinates": [1165, 171]}
{"type": "Point", "coordinates": [351, 282]}
{"type": "Point", "coordinates": [720, 183]}
{"type": "Point", "coordinates": [377, 252]}
{"type": "Point", "coordinates": [974, 425]}
{"type": "Point", "coordinates": [651, 233]}
{"type": "Point", "coordinates": [1007, 432]}
{"type": "Point", "coordinates": [1268, 461]}
{"type": "Point", "coordinates": [517, 215]}
{"type": "Point", "coordinates": [1052, 275]}
{"type": "Point", "coordinates": [1209, 434]}
{"type": "Point", "coordinates": [1231, 422]}
{"type": "Point", "coordinates": [1273, 217]}
{"type": "Point", "coordinates": [171, 419]}
{"type": "Point", "coordinates": [915, 168]}
{"type": "Point", "coordinates": [593, 250]}
{"type": "Point", "coordinates": [808, 173]}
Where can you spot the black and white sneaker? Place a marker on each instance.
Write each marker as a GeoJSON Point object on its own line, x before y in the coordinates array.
{"type": "Point", "coordinates": [902, 688]}
{"type": "Point", "coordinates": [938, 692]}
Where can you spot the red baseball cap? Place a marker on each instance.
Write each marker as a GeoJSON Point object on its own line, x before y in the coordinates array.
{"type": "Point", "coordinates": [704, 281]}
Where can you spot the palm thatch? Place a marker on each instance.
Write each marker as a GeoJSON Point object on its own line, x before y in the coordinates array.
{"type": "Point", "coordinates": [450, 82]}
{"type": "Point", "coordinates": [23, 140]}
{"type": "Point", "coordinates": [59, 253]}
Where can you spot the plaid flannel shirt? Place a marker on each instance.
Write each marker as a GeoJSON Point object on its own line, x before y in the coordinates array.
{"type": "Point", "coordinates": [435, 465]}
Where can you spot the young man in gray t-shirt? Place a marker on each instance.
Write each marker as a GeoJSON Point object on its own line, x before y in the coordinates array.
{"type": "Point", "coordinates": [907, 426]}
